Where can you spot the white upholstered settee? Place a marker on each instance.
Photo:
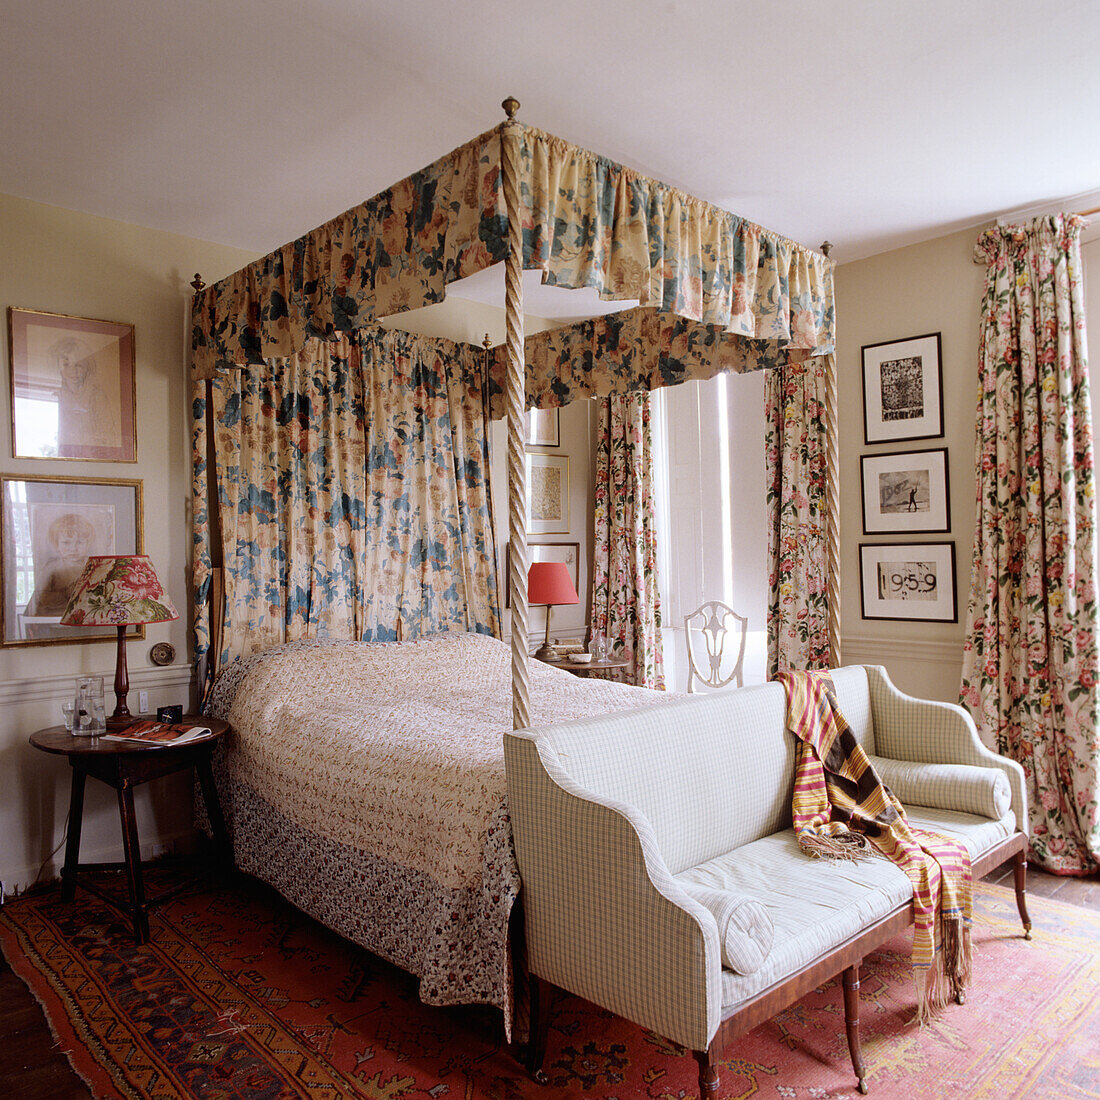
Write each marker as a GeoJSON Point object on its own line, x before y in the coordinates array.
{"type": "Point", "coordinates": [621, 821]}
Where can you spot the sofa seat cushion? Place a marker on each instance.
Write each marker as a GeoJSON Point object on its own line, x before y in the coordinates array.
{"type": "Point", "coordinates": [816, 905]}
{"type": "Point", "coordinates": [979, 834]}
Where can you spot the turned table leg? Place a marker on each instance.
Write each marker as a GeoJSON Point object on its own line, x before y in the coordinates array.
{"type": "Point", "coordinates": [72, 840]}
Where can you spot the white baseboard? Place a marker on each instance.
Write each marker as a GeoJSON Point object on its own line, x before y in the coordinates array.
{"type": "Point", "coordinates": [18, 879]}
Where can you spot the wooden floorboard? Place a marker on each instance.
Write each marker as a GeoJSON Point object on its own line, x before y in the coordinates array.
{"type": "Point", "coordinates": [32, 1068]}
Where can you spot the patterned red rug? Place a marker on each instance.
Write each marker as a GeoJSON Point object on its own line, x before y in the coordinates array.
{"type": "Point", "coordinates": [239, 995]}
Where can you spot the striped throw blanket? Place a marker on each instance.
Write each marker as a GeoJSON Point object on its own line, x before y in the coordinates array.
{"type": "Point", "coordinates": [841, 806]}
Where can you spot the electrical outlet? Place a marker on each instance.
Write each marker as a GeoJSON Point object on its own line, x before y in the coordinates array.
{"type": "Point", "coordinates": [143, 702]}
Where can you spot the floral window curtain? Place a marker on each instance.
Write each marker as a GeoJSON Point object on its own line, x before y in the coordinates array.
{"type": "Point", "coordinates": [1030, 657]}
{"type": "Point", "coordinates": [626, 606]}
{"type": "Point", "coordinates": [798, 605]}
{"type": "Point", "coordinates": [353, 484]}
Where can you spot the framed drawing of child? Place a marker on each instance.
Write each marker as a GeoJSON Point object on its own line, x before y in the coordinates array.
{"type": "Point", "coordinates": [51, 526]}
{"type": "Point", "coordinates": [72, 384]}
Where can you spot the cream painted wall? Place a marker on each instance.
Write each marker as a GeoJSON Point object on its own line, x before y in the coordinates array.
{"type": "Point", "coordinates": [64, 262]}
{"type": "Point", "coordinates": [930, 287]}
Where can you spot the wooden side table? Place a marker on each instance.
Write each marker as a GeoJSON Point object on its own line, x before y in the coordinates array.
{"type": "Point", "coordinates": [584, 668]}
{"type": "Point", "coordinates": [125, 765]}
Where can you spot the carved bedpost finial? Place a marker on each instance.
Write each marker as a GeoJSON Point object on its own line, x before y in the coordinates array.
{"type": "Point", "coordinates": [197, 283]}
{"type": "Point", "coordinates": [826, 247]}
{"type": "Point", "coordinates": [510, 105]}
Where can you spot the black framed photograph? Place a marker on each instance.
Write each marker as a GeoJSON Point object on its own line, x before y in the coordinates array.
{"type": "Point", "coordinates": [902, 390]}
{"type": "Point", "coordinates": [568, 553]}
{"type": "Point", "coordinates": [905, 492]}
{"type": "Point", "coordinates": [908, 581]}
{"type": "Point", "coordinates": [72, 386]}
{"type": "Point", "coordinates": [544, 427]}
{"type": "Point", "coordinates": [51, 526]}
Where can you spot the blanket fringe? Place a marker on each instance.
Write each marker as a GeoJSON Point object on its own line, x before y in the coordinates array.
{"type": "Point", "coordinates": [949, 974]}
{"type": "Point", "coordinates": [846, 845]}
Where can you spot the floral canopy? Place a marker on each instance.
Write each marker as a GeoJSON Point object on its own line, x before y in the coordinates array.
{"type": "Point", "coordinates": [586, 222]}
{"type": "Point", "coordinates": [716, 293]}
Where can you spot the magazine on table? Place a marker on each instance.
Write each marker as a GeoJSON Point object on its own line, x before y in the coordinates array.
{"type": "Point", "coordinates": [162, 734]}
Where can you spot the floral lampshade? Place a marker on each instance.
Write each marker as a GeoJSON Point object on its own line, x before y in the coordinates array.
{"type": "Point", "coordinates": [118, 590]}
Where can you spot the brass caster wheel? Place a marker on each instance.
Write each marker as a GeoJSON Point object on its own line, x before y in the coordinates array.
{"type": "Point", "coordinates": [863, 1086]}
{"type": "Point", "coordinates": [1027, 933]}
{"type": "Point", "coordinates": [540, 1078]}
{"type": "Point", "coordinates": [960, 998]}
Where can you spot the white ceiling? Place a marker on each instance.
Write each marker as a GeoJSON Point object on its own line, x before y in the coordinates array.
{"type": "Point", "coordinates": [870, 123]}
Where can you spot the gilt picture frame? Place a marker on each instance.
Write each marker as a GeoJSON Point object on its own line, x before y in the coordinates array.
{"type": "Point", "coordinates": [72, 386]}
{"type": "Point", "coordinates": [50, 526]}
{"type": "Point", "coordinates": [905, 492]}
{"type": "Point", "coordinates": [908, 581]}
{"type": "Point", "coordinates": [902, 390]}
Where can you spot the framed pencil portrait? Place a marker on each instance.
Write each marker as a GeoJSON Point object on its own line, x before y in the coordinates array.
{"type": "Point", "coordinates": [72, 386]}
{"type": "Point", "coordinates": [547, 494]}
{"type": "Point", "coordinates": [905, 492]}
{"type": "Point", "coordinates": [902, 390]}
{"type": "Point", "coordinates": [50, 527]}
{"type": "Point", "coordinates": [908, 581]}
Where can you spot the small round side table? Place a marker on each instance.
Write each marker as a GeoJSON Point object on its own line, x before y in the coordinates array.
{"type": "Point", "coordinates": [124, 765]}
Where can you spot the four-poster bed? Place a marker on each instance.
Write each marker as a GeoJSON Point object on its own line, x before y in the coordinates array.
{"type": "Point", "coordinates": [299, 554]}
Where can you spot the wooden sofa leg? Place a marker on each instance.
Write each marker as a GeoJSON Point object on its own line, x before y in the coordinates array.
{"type": "Point", "coordinates": [708, 1072]}
{"type": "Point", "coordinates": [541, 993]}
{"type": "Point", "coordinates": [851, 1023]}
{"type": "Point", "coordinates": [1020, 875]}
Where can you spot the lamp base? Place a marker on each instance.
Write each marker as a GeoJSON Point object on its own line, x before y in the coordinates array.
{"type": "Point", "coordinates": [118, 721]}
{"type": "Point", "coordinates": [547, 653]}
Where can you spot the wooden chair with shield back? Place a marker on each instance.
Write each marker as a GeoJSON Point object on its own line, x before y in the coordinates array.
{"type": "Point", "coordinates": [714, 634]}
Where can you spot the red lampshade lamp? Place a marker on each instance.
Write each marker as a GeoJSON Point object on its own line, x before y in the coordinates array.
{"type": "Point", "coordinates": [549, 583]}
{"type": "Point", "coordinates": [118, 590]}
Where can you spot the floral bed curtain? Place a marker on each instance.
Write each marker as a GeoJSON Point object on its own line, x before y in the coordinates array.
{"type": "Point", "coordinates": [1030, 658]}
{"type": "Point", "coordinates": [626, 606]}
{"type": "Point", "coordinates": [798, 612]}
{"type": "Point", "coordinates": [353, 495]}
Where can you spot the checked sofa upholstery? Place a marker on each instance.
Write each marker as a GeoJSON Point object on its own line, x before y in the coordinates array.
{"type": "Point", "coordinates": [621, 820]}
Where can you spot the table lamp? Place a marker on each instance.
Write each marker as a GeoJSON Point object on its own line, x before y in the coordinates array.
{"type": "Point", "coordinates": [118, 590]}
{"type": "Point", "coordinates": [549, 583]}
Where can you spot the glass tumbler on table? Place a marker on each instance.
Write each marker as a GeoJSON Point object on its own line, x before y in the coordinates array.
{"type": "Point", "coordinates": [88, 707]}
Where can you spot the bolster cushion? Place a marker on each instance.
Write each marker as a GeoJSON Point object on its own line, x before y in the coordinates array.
{"type": "Point", "coordinates": [744, 928]}
{"type": "Point", "coordinates": [963, 787]}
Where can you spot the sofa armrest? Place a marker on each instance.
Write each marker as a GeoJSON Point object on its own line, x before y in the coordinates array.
{"type": "Point", "coordinates": [604, 918]}
{"type": "Point", "coordinates": [931, 732]}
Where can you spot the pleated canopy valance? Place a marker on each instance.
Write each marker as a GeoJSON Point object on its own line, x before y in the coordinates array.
{"type": "Point", "coordinates": [586, 221]}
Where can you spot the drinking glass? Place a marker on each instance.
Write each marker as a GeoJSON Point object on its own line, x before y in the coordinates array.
{"type": "Point", "coordinates": [67, 710]}
{"type": "Point", "coordinates": [88, 708]}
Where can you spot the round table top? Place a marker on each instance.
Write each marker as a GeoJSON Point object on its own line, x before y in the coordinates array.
{"type": "Point", "coordinates": [57, 739]}
{"type": "Point", "coordinates": [569, 663]}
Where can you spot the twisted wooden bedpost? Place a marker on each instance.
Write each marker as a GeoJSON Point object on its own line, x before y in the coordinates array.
{"type": "Point", "coordinates": [832, 500]}
{"type": "Point", "coordinates": [516, 402]}
{"type": "Point", "coordinates": [832, 509]}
